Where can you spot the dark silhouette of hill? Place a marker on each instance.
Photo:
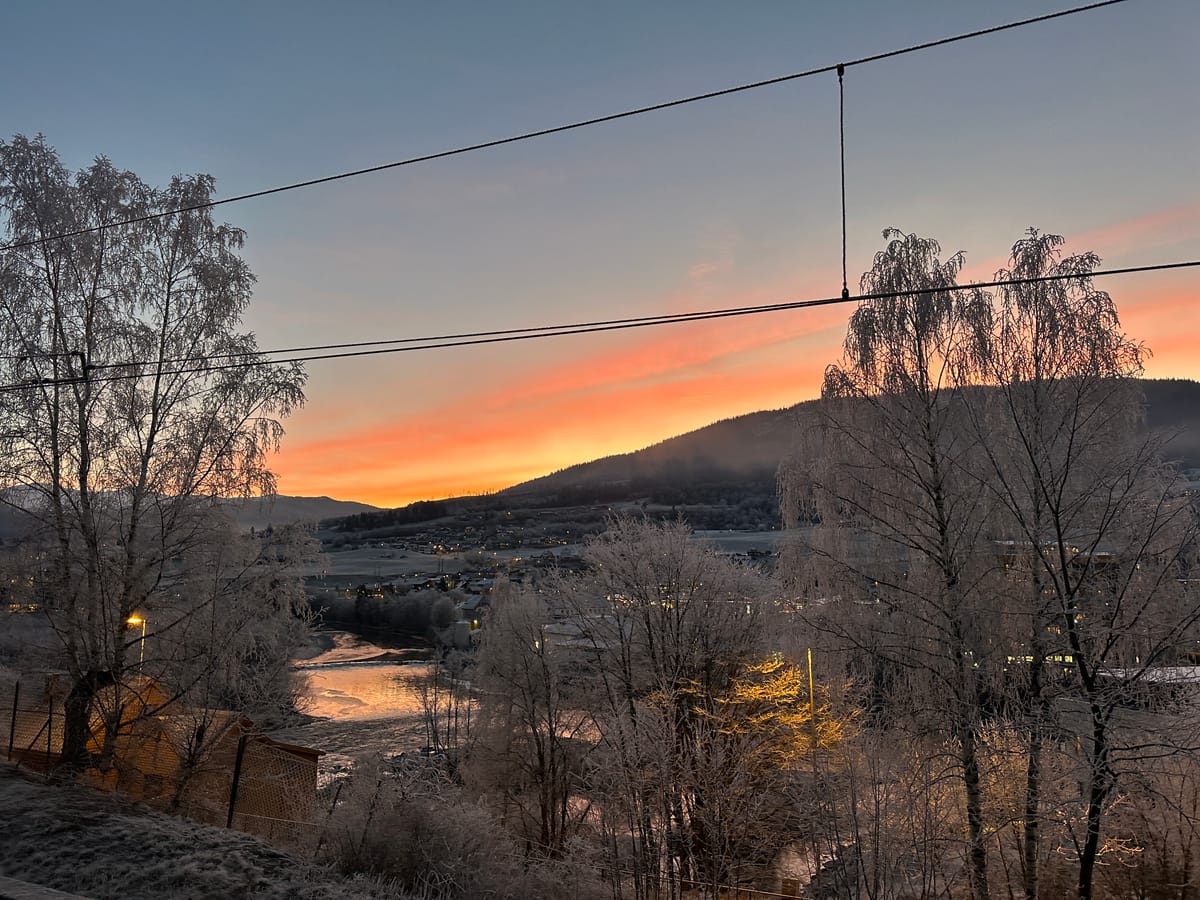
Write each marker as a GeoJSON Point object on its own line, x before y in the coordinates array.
{"type": "Point", "coordinates": [722, 475]}
{"type": "Point", "coordinates": [260, 512]}
{"type": "Point", "coordinates": [256, 512]}
{"type": "Point", "coordinates": [720, 462]}
{"type": "Point", "coordinates": [1173, 411]}
{"type": "Point", "coordinates": [749, 448]}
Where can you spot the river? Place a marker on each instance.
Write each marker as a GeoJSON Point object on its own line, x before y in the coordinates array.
{"type": "Point", "coordinates": [351, 677]}
{"type": "Point", "coordinates": [364, 696]}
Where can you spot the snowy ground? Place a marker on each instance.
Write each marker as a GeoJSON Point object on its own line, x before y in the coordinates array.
{"type": "Point", "coordinates": [345, 740]}
{"type": "Point", "coordinates": [742, 541]}
{"type": "Point", "coordinates": [340, 568]}
{"type": "Point", "coordinates": [86, 842]}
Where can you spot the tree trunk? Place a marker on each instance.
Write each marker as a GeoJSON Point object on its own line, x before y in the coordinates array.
{"type": "Point", "coordinates": [77, 728]}
{"type": "Point", "coordinates": [974, 791]}
{"type": "Point", "coordinates": [1033, 776]}
{"type": "Point", "coordinates": [1100, 784]}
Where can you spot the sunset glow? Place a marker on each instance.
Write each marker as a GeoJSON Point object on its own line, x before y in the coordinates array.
{"type": "Point", "coordinates": [598, 405]}
{"type": "Point", "coordinates": [656, 386]}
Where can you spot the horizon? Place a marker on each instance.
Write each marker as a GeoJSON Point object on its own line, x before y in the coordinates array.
{"type": "Point", "coordinates": [1079, 125]}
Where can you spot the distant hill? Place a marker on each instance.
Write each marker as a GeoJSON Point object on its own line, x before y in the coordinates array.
{"type": "Point", "coordinates": [723, 475]}
{"type": "Point", "coordinates": [745, 450]}
{"type": "Point", "coordinates": [259, 512]}
{"type": "Point", "coordinates": [1173, 410]}
{"type": "Point", "coordinates": [14, 524]}
{"type": "Point", "coordinates": [749, 448]}
{"type": "Point", "coordinates": [255, 513]}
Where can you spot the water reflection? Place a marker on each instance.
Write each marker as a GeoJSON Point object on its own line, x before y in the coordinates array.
{"type": "Point", "coordinates": [352, 678]}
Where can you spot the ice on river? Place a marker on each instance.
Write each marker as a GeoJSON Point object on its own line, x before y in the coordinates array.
{"type": "Point", "coordinates": [352, 678]}
{"type": "Point", "coordinates": [365, 698]}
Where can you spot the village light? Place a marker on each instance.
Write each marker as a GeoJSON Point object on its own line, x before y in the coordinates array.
{"type": "Point", "coordinates": [134, 621]}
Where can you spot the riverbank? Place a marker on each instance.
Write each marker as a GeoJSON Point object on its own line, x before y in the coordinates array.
{"type": "Point", "coordinates": [336, 642]}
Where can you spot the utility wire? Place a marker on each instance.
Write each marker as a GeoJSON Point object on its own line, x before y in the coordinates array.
{"type": "Point", "coordinates": [841, 73]}
{"type": "Point", "coordinates": [571, 126]}
{"type": "Point", "coordinates": [612, 324]}
{"type": "Point", "coordinates": [441, 342]}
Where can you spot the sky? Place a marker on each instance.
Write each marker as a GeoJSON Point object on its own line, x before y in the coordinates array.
{"type": "Point", "coordinates": [1086, 126]}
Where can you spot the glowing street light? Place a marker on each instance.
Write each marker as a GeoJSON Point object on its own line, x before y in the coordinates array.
{"type": "Point", "coordinates": [133, 622]}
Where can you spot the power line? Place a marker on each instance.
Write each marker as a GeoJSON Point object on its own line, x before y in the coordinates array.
{"type": "Point", "coordinates": [636, 321]}
{"type": "Point", "coordinates": [469, 339]}
{"type": "Point", "coordinates": [571, 126]}
{"type": "Point", "coordinates": [841, 73]}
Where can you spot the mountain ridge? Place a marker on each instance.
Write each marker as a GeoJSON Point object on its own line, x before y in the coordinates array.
{"type": "Point", "coordinates": [730, 465]}
{"type": "Point", "coordinates": [772, 433]}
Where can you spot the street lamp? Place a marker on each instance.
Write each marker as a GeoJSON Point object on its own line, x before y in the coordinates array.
{"type": "Point", "coordinates": [133, 622]}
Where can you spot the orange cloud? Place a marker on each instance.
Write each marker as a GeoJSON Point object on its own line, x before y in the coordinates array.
{"type": "Point", "coordinates": [1161, 228]}
{"type": "Point", "coordinates": [667, 351]}
{"type": "Point", "coordinates": [669, 382]}
{"type": "Point", "coordinates": [1166, 318]}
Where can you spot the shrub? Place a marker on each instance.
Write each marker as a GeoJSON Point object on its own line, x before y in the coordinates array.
{"type": "Point", "coordinates": [410, 824]}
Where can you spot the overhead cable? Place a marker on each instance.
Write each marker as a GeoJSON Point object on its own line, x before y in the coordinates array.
{"type": "Point", "coordinates": [139, 369]}
{"type": "Point", "coordinates": [841, 74]}
{"type": "Point", "coordinates": [570, 126]}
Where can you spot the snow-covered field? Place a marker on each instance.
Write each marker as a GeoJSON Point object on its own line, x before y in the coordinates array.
{"type": "Point", "coordinates": [370, 564]}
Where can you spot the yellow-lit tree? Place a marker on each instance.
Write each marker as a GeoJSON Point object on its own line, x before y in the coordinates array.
{"type": "Point", "coordinates": [758, 744]}
{"type": "Point", "coordinates": [777, 716]}
{"type": "Point", "coordinates": [702, 732]}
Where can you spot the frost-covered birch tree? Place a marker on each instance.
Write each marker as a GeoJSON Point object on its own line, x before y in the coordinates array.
{"type": "Point", "coordinates": [133, 402]}
{"type": "Point", "coordinates": [531, 738]}
{"type": "Point", "coordinates": [901, 519]}
{"type": "Point", "coordinates": [1093, 523]}
{"type": "Point", "coordinates": [996, 523]}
